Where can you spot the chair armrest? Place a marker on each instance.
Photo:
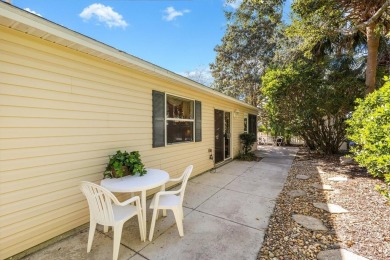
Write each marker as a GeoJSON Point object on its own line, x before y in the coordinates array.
{"type": "Point", "coordinates": [127, 202]}
{"type": "Point", "coordinates": [176, 179]}
{"type": "Point", "coordinates": [170, 192]}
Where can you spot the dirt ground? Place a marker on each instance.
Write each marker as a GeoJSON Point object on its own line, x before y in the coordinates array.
{"type": "Point", "coordinates": [364, 230]}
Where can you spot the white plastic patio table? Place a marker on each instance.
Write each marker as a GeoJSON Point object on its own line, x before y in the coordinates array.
{"type": "Point", "coordinates": [136, 183]}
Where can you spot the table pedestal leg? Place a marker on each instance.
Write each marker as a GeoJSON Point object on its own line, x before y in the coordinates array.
{"type": "Point", "coordinates": [143, 202]}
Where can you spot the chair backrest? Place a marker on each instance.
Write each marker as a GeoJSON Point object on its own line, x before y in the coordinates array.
{"type": "Point", "coordinates": [186, 176]}
{"type": "Point", "coordinates": [99, 202]}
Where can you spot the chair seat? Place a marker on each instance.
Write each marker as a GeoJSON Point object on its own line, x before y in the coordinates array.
{"type": "Point", "coordinates": [105, 209]}
{"type": "Point", "coordinates": [123, 213]}
{"type": "Point", "coordinates": [167, 201]}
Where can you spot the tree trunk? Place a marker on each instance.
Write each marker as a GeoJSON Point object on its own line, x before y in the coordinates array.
{"type": "Point", "coordinates": [372, 57]}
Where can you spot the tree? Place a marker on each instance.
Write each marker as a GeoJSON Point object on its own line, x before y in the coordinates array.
{"type": "Point", "coordinates": [311, 99]}
{"type": "Point", "coordinates": [318, 22]}
{"type": "Point", "coordinates": [201, 75]}
{"type": "Point", "coordinates": [246, 49]}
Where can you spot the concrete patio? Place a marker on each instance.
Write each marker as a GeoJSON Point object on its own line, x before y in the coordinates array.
{"type": "Point", "coordinates": [226, 214]}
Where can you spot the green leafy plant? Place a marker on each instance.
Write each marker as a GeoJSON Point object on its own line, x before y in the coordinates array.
{"type": "Point", "coordinates": [247, 141]}
{"type": "Point", "coordinates": [261, 128]}
{"type": "Point", "coordinates": [369, 128]}
{"type": "Point", "coordinates": [124, 163]}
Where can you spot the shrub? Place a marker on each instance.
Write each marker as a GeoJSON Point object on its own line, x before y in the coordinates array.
{"type": "Point", "coordinates": [261, 128]}
{"type": "Point", "coordinates": [369, 128]}
{"type": "Point", "coordinates": [247, 141]}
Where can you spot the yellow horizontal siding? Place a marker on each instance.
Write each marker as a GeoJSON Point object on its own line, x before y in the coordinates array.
{"type": "Point", "coordinates": [73, 98]}
{"type": "Point", "coordinates": [35, 211]}
{"type": "Point", "coordinates": [62, 113]}
{"type": "Point", "coordinates": [17, 133]}
{"type": "Point", "coordinates": [24, 227]}
{"type": "Point", "coordinates": [97, 143]}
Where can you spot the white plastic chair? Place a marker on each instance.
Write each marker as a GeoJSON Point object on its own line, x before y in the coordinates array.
{"type": "Point", "coordinates": [172, 200]}
{"type": "Point", "coordinates": [103, 211]}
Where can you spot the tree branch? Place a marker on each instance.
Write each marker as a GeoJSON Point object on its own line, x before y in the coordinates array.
{"type": "Point", "coordinates": [370, 21]}
{"type": "Point", "coordinates": [375, 17]}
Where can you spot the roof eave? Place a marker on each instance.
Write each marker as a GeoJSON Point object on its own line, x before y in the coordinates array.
{"type": "Point", "coordinates": [58, 33]}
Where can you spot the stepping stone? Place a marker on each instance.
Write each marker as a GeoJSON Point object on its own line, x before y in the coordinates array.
{"type": "Point", "coordinates": [302, 177]}
{"type": "Point", "coordinates": [339, 254]}
{"type": "Point", "coordinates": [338, 178]}
{"type": "Point", "coordinates": [332, 208]}
{"type": "Point", "coordinates": [344, 160]}
{"type": "Point", "coordinates": [320, 171]}
{"type": "Point", "coordinates": [322, 186]}
{"type": "Point", "coordinates": [309, 222]}
{"type": "Point", "coordinates": [296, 193]}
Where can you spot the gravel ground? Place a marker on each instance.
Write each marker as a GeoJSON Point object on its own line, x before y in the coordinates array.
{"type": "Point", "coordinates": [364, 230]}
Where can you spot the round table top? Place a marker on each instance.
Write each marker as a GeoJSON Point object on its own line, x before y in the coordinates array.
{"type": "Point", "coordinates": [152, 179]}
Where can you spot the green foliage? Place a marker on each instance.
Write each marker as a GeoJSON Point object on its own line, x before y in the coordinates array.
{"type": "Point", "coordinates": [247, 48]}
{"type": "Point", "coordinates": [369, 128]}
{"type": "Point", "coordinates": [261, 128]}
{"type": "Point", "coordinates": [124, 163]}
{"type": "Point", "coordinates": [311, 99]}
{"type": "Point", "coordinates": [247, 141]}
{"type": "Point", "coordinates": [384, 191]}
{"type": "Point", "coordinates": [326, 27]}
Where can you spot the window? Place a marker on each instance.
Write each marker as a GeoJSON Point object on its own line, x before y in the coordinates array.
{"type": "Point", "coordinates": [245, 123]}
{"type": "Point", "coordinates": [175, 119]}
{"type": "Point", "coordinates": [179, 119]}
{"type": "Point", "coordinates": [252, 124]}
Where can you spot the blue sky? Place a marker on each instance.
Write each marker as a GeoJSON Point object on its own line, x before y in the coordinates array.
{"type": "Point", "coordinates": [177, 35]}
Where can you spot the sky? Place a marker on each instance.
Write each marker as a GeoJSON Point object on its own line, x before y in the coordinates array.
{"type": "Point", "coordinates": [178, 35]}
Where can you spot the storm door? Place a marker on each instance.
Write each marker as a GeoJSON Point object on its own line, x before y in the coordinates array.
{"type": "Point", "coordinates": [222, 130]}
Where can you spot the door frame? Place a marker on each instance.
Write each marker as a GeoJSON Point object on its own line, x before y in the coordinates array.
{"type": "Point", "coordinates": [231, 134]}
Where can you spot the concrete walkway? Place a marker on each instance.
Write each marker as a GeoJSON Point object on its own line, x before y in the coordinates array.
{"type": "Point", "coordinates": [226, 214]}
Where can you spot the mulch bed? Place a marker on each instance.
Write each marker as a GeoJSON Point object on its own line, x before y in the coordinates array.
{"type": "Point", "coordinates": [364, 230]}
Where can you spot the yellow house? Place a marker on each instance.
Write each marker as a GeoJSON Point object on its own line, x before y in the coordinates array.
{"type": "Point", "coordinates": [68, 101]}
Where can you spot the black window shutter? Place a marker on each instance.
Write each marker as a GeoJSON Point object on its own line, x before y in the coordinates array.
{"type": "Point", "coordinates": [158, 100]}
{"type": "Point", "coordinates": [198, 121]}
{"type": "Point", "coordinates": [252, 124]}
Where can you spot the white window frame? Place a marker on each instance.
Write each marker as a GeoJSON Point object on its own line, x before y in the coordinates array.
{"type": "Point", "coordinates": [179, 119]}
{"type": "Point", "coordinates": [246, 117]}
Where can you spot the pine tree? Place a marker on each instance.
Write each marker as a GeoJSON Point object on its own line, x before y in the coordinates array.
{"type": "Point", "coordinates": [247, 49]}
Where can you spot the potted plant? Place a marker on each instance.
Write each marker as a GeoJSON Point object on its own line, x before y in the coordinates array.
{"type": "Point", "coordinates": [123, 164]}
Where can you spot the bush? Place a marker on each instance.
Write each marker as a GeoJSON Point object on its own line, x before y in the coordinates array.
{"type": "Point", "coordinates": [247, 141]}
{"type": "Point", "coordinates": [369, 128]}
{"type": "Point", "coordinates": [261, 128]}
